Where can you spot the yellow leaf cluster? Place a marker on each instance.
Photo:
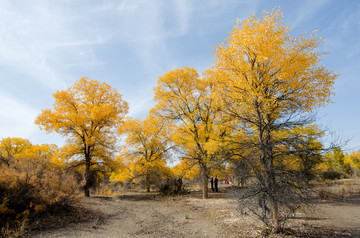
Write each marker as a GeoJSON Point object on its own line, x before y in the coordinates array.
{"type": "Point", "coordinates": [261, 67]}
{"type": "Point", "coordinates": [187, 101]}
{"type": "Point", "coordinates": [86, 112]}
{"type": "Point", "coordinates": [185, 170]}
{"type": "Point", "coordinates": [146, 150]}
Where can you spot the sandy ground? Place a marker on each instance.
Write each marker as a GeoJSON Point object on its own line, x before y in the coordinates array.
{"type": "Point", "coordinates": [144, 215]}
{"type": "Point", "coordinates": [341, 218]}
{"type": "Point", "coordinates": [151, 215]}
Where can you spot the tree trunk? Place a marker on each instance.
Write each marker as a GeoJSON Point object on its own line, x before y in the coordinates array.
{"type": "Point", "coordinates": [275, 217]}
{"type": "Point", "coordinates": [87, 175]}
{"type": "Point", "coordinates": [147, 183]}
{"type": "Point", "coordinates": [205, 181]}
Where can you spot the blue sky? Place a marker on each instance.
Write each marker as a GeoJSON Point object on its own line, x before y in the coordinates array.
{"type": "Point", "coordinates": [46, 46]}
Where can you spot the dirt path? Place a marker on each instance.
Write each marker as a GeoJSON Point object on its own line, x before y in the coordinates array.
{"type": "Point", "coordinates": [150, 215]}
{"type": "Point", "coordinates": [142, 217]}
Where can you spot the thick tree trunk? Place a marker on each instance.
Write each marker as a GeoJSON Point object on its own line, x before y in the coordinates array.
{"type": "Point", "coordinates": [147, 183]}
{"type": "Point", "coordinates": [87, 175]}
{"type": "Point", "coordinates": [267, 162]}
{"type": "Point", "coordinates": [204, 181]}
{"type": "Point", "coordinates": [87, 180]}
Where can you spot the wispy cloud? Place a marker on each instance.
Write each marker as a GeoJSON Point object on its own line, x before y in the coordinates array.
{"type": "Point", "coordinates": [46, 40]}
{"type": "Point", "coordinates": [128, 44]}
{"type": "Point", "coordinates": [149, 25]}
{"type": "Point", "coordinates": [39, 44]}
{"type": "Point", "coordinates": [35, 37]}
{"type": "Point", "coordinates": [306, 10]}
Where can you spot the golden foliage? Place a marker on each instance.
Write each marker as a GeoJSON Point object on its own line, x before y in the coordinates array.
{"type": "Point", "coordinates": [260, 66]}
{"type": "Point", "coordinates": [88, 114]}
{"type": "Point", "coordinates": [337, 164]}
{"type": "Point", "coordinates": [185, 170]}
{"type": "Point", "coordinates": [147, 149]}
{"type": "Point", "coordinates": [187, 101]}
{"type": "Point", "coordinates": [354, 160]}
{"type": "Point", "coordinates": [123, 170]}
{"type": "Point", "coordinates": [12, 147]}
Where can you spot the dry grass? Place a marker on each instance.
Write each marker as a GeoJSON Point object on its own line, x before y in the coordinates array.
{"type": "Point", "coordinates": [339, 189]}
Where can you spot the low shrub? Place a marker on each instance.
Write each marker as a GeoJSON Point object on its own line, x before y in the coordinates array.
{"type": "Point", "coordinates": [332, 175]}
{"type": "Point", "coordinates": [173, 187]}
{"type": "Point", "coordinates": [31, 189]}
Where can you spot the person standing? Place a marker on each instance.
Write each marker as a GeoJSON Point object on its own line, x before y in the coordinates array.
{"type": "Point", "coordinates": [216, 183]}
{"type": "Point", "coordinates": [212, 183]}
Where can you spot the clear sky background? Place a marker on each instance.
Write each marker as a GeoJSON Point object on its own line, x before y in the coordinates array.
{"type": "Point", "coordinates": [46, 46]}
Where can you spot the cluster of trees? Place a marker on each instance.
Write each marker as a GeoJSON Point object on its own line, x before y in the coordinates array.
{"type": "Point", "coordinates": [337, 164]}
{"type": "Point", "coordinates": [249, 115]}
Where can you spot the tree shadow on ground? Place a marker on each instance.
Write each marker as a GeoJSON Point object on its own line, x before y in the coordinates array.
{"type": "Point", "coordinates": [133, 196]}
{"type": "Point", "coordinates": [316, 232]}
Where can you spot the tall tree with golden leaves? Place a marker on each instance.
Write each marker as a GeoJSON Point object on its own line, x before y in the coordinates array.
{"type": "Point", "coordinates": [268, 81]}
{"type": "Point", "coordinates": [88, 114]}
{"type": "Point", "coordinates": [147, 149]}
{"type": "Point", "coordinates": [186, 99]}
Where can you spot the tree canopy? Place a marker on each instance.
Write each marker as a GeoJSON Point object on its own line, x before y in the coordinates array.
{"type": "Point", "coordinates": [88, 114]}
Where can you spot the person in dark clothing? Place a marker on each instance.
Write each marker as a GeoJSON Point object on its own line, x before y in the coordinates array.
{"type": "Point", "coordinates": [212, 183]}
{"type": "Point", "coordinates": [216, 184]}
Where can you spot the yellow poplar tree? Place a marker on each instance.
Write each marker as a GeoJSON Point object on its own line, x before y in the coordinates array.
{"type": "Point", "coordinates": [148, 147]}
{"type": "Point", "coordinates": [267, 80]}
{"type": "Point", "coordinates": [187, 100]}
{"type": "Point", "coordinates": [88, 114]}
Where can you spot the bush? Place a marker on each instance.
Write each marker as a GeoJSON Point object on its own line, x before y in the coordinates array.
{"type": "Point", "coordinates": [31, 189]}
{"type": "Point", "coordinates": [332, 175]}
{"type": "Point", "coordinates": [172, 187]}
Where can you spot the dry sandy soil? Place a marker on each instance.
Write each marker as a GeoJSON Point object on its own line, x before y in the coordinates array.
{"type": "Point", "coordinates": [152, 215]}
